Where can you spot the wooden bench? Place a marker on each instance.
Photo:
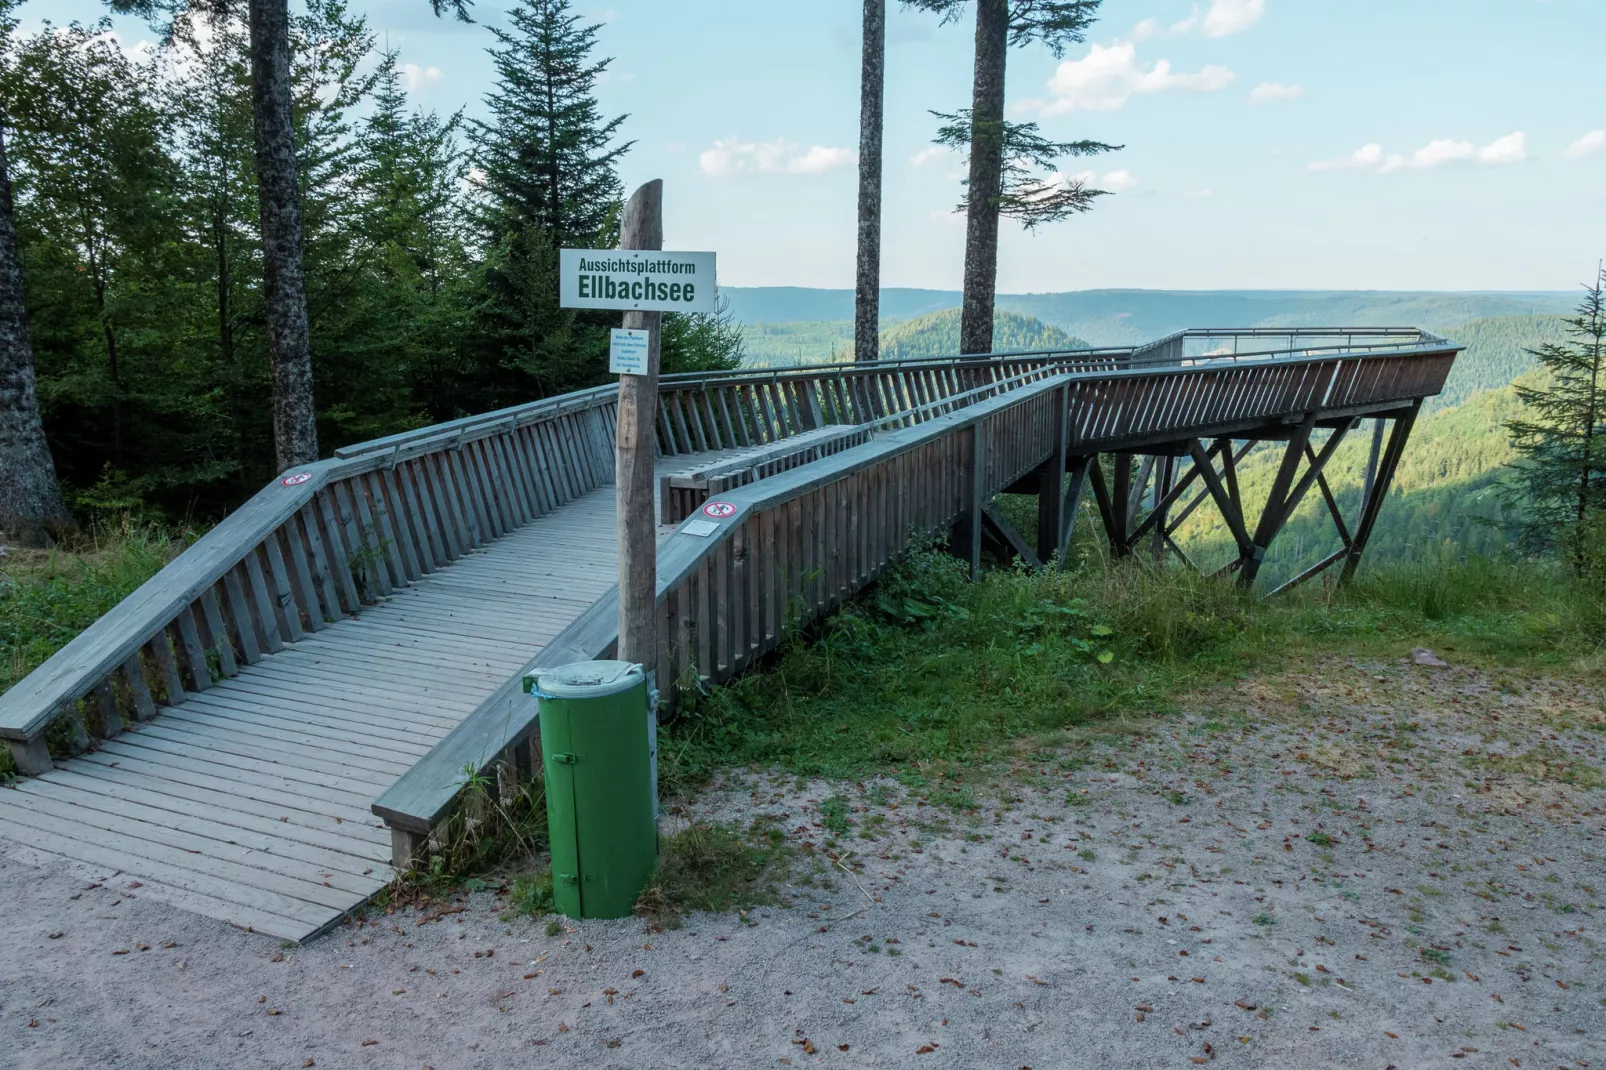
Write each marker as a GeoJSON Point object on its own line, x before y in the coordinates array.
{"type": "Point", "coordinates": [683, 493]}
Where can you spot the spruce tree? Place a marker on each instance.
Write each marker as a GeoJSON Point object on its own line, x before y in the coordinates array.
{"type": "Point", "coordinates": [1559, 484]}
{"type": "Point", "coordinates": [546, 167]}
{"type": "Point", "coordinates": [1002, 154]}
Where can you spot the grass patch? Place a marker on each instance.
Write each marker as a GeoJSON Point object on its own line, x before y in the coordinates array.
{"type": "Point", "coordinates": [1545, 762]}
{"type": "Point", "coordinates": [48, 596]}
{"type": "Point", "coordinates": [931, 675]}
{"type": "Point", "coordinates": [713, 868]}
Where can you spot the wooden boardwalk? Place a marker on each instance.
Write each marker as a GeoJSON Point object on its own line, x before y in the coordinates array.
{"type": "Point", "coordinates": [286, 711]}
{"type": "Point", "coordinates": [249, 802]}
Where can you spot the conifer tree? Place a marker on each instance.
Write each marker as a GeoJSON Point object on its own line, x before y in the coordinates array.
{"type": "Point", "coordinates": [547, 175]}
{"type": "Point", "coordinates": [1560, 480]}
{"type": "Point", "coordinates": [1002, 154]}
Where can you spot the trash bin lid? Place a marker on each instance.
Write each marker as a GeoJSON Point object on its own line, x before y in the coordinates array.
{"type": "Point", "coordinates": [586, 679]}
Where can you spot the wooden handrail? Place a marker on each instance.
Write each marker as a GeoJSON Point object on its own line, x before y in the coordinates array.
{"type": "Point", "coordinates": [817, 570]}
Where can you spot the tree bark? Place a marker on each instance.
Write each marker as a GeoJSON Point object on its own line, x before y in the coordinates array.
{"type": "Point", "coordinates": [986, 176]}
{"type": "Point", "coordinates": [640, 227]}
{"type": "Point", "coordinates": [31, 508]}
{"type": "Point", "coordinates": [295, 428]}
{"type": "Point", "coordinates": [867, 299]}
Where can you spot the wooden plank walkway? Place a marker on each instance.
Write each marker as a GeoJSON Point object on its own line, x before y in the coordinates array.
{"type": "Point", "coordinates": [295, 712]}
{"type": "Point", "coordinates": [249, 802]}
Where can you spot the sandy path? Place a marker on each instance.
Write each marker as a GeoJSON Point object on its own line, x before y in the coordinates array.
{"type": "Point", "coordinates": [1184, 879]}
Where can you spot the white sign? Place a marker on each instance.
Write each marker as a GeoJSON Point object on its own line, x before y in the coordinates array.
{"type": "Point", "coordinates": [627, 351]}
{"type": "Point", "coordinates": [636, 280]}
{"type": "Point", "coordinates": [719, 510]}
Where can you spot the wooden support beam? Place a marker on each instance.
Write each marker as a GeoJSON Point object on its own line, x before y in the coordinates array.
{"type": "Point", "coordinates": [1003, 539]}
{"type": "Point", "coordinates": [1157, 516]}
{"type": "Point", "coordinates": [1075, 489]}
{"type": "Point", "coordinates": [1400, 434]}
{"type": "Point", "coordinates": [1134, 502]}
{"type": "Point", "coordinates": [1315, 570]}
{"type": "Point", "coordinates": [1164, 470]}
{"type": "Point", "coordinates": [1271, 520]}
{"type": "Point", "coordinates": [1107, 510]}
{"type": "Point", "coordinates": [1051, 486]}
{"type": "Point", "coordinates": [1224, 502]}
{"type": "Point", "coordinates": [1327, 496]}
{"type": "Point", "coordinates": [1120, 504]}
{"type": "Point", "coordinates": [32, 756]}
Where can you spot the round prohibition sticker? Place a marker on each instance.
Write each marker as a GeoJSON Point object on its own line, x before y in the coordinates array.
{"type": "Point", "coordinates": [719, 510]}
{"type": "Point", "coordinates": [296, 480]}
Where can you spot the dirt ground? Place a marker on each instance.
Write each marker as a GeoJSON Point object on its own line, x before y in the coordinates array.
{"type": "Point", "coordinates": [1359, 866]}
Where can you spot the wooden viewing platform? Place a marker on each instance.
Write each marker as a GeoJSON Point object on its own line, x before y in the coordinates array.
{"type": "Point", "coordinates": [285, 713]}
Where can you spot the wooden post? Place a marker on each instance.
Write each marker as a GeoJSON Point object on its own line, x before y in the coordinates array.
{"type": "Point", "coordinates": [1051, 487]}
{"type": "Point", "coordinates": [641, 227]}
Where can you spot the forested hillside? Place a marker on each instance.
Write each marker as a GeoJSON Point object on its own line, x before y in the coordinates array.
{"type": "Point", "coordinates": [430, 246]}
{"type": "Point", "coordinates": [937, 335]}
{"type": "Point", "coordinates": [1442, 499]}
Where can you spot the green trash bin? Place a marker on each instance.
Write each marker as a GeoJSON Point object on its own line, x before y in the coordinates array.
{"type": "Point", "coordinates": [599, 748]}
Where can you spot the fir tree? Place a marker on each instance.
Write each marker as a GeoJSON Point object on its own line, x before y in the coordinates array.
{"type": "Point", "coordinates": [1003, 155]}
{"type": "Point", "coordinates": [1560, 479]}
{"type": "Point", "coordinates": [546, 169]}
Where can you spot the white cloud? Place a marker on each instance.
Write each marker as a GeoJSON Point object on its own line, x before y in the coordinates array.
{"type": "Point", "coordinates": [1225, 18]}
{"type": "Point", "coordinates": [1145, 29]}
{"type": "Point", "coordinates": [413, 76]}
{"type": "Point", "coordinates": [732, 155]}
{"type": "Point", "coordinates": [1106, 77]}
{"type": "Point", "coordinates": [1366, 158]}
{"type": "Point", "coordinates": [1118, 181]}
{"type": "Point", "coordinates": [819, 159]}
{"type": "Point", "coordinates": [931, 154]}
{"type": "Point", "coordinates": [1506, 150]}
{"type": "Point", "coordinates": [1587, 145]}
{"type": "Point", "coordinates": [1266, 92]}
{"type": "Point", "coordinates": [1513, 148]}
{"type": "Point", "coordinates": [1111, 182]}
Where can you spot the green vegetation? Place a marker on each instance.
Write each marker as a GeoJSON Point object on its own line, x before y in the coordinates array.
{"type": "Point", "coordinates": [430, 296]}
{"type": "Point", "coordinates": [929, 674]}
{"type": "Point", "coordinates": [47, 597]}
{"type": "Point", "coordinates": [713, 868]}
{"type": "Point", "coordinates": [937, 335]}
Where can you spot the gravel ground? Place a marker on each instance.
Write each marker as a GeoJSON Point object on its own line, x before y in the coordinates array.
{"type": "Point", "coordinates": [1357, 866]}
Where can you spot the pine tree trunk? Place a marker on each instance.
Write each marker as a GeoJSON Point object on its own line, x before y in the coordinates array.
{"type": "Point", "coordinates": [867, 299]}
{"type": "Point", "coordinates": [31, 507]}
{"type": "Point", "coordinates": [986, 176]}
{"type": "Point", "coordinates": [295, 428]}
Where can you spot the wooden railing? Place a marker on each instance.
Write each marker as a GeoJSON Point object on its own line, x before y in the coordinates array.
{"type": "Point", "coordinates": [314, 547]}
{"type": "Point", "coordinates": [806, 538]}
{"type": "Point", "coordinates": [324, 540]}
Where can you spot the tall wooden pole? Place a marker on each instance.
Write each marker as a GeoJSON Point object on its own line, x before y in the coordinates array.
{"type": "Point", "coordinates": [641, 227]}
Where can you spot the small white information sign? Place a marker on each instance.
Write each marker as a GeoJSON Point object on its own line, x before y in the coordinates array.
{"type": "Point", "coordinates": [636, 280]}
{"type": "Point", "coordinates": [627, 351]}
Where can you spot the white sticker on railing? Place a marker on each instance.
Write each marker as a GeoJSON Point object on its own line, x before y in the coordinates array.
{"type": "Point", "coordinates": [296, 480]}
{"type": "Point", "coordinates": [719, 510]}
{"type": "Point", "coordinates": [700, 528]}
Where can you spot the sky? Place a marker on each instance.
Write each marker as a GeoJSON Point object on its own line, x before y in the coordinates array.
{"type": "Point", "coordinates": [1268, 144]}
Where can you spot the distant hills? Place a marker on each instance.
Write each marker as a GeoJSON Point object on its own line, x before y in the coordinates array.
{"type": "Point", "coordinates": [1127, 317]}
{"type": "Point", "coordinates": [1443, 499]}
{"type": "Point", "coordinates": [937, 334]}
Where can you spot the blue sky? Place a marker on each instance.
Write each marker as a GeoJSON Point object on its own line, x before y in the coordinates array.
{"type": "Point", "coordinates": [1272, 144]}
